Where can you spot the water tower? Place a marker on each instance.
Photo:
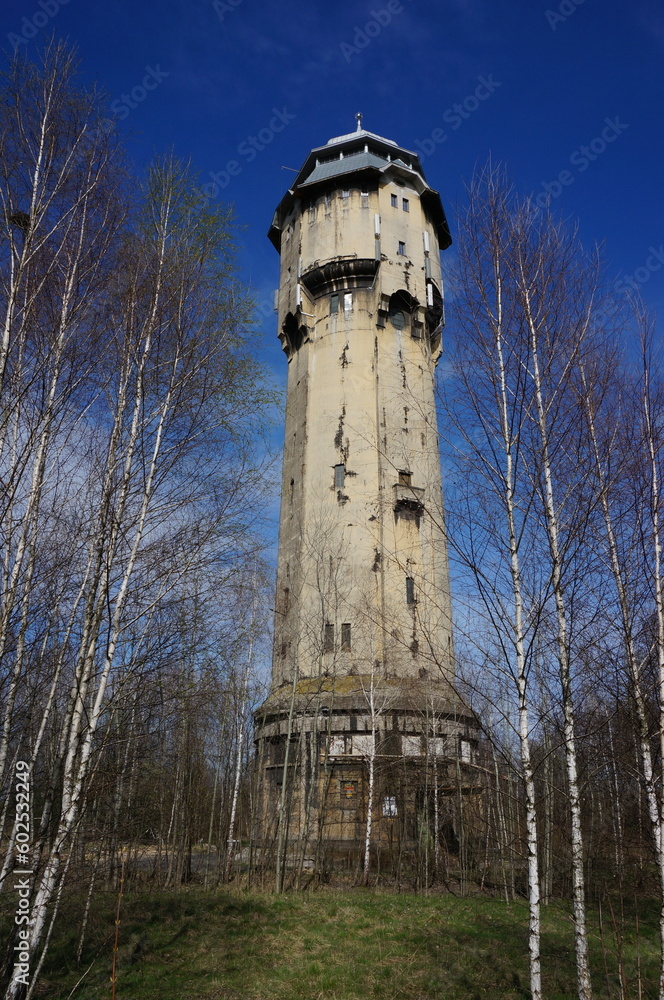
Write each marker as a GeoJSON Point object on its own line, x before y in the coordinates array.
{"type": "Point", "coordinates": [362, 701]}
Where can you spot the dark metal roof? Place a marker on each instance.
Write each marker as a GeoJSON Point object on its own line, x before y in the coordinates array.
{"type": "Point", "coordinates": [335, 168]}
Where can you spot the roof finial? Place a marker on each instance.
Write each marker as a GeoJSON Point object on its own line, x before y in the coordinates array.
{"type": "Point", "coordinates": [358, 116]}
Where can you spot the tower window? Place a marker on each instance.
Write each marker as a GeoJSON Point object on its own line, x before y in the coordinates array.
{"type": "Point", "coordinates": [345, 635]}
{"type": "Point", "coordinates": [394, 201]}
{"type": "Point", "coordinates": [334, 304]}
{"type": "Point", "coordinates": [402, 249]}
{"type": "Point", "coordinates": [404, 204]}
{"type": "Point", "coordinates": [339, 476]}
{"type": "Point", "coordinates": [328, 646]}
{"type": "Point", "coordinates": [390, 806]}
{"type": "Point", "coordinates": [348, 301]}
{"type": "Point", "coordinates": [405, 478]}
{"type": "Point", "coordinates": [345, 194]}
{"type": "Point", "coordinates": [410, 590]}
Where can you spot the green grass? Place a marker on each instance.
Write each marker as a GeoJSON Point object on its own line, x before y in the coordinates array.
{"type": "Point", "coordinates": [336, 945]}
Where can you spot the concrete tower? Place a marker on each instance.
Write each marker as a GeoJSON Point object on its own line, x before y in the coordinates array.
{"type": "Point", "coordinates": [363, 663]}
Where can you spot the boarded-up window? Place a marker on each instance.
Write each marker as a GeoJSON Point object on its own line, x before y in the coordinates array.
{"type": "Point", "coordinates": [411, 746]}
{"type": "Point", "coordinates": [437, 746]}
{"type": "Point", "coordinates": [339, 476]}
{"type": "Point", "coordinates": [405, 478]}
{"type": "Point", "coordinates": [410, 590]}
{"type": "Point", "coordinates": [362, 744]}
{"type": "Point", "coordinates": [337, 745]}
{"type": "Point", "coordinates": [329, 639]}
{"type": "Point", "coordinates": [345, 635]}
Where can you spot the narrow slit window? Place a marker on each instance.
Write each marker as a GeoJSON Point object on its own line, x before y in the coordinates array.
{"type": "Point", "coordinates": [345, 635]}
{"type": "Point", "coordinates": [405, 205]}
{"type": "Point", "coordinates": [402, 249]}
{"type": "Point", "coordinates": [329, 639]}
{"type": "Point", "coordinates": [394, 200]}
{"type": "Point", "coordinates": [410, 590]}
{"type": "Point", "coordinates": [339, 476]}
{"type": "Point", "coordinates": [334, 304]}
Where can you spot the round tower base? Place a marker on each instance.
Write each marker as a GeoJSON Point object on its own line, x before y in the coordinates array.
{"type": "Point", "coordinates": [334, 750]}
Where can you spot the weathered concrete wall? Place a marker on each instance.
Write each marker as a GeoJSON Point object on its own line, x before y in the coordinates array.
{"type": "Point", "coordinates": [360, 394]}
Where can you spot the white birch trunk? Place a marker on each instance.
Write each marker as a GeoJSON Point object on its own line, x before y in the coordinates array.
{"type": "Point", "coordinates": [371, 777]}
{"type": "Point", "coordinates": [578, 889]}
{"type": "Point", "coordinates": [655, 501]}
{"type": "Point", "coordinates": [519, 645]}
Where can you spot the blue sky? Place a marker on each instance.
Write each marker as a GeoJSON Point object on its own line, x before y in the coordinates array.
{"type": "Point", "coordinates": [533, 83]}
{"type": "Point", "coordinates": [258, 84]}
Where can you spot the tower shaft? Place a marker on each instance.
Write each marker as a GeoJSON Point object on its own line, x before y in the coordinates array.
{"type": "Point", "coordinates": [363, 663]}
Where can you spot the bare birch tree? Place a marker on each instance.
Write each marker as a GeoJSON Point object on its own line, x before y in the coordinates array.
{"type": "Point", "coordinates": [124, 322]}
{"type": "Point", "coordinates": [490, 370]}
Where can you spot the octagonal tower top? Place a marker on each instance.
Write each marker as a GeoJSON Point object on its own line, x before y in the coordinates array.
{"type": "Point", "coordinates": [358, 154]}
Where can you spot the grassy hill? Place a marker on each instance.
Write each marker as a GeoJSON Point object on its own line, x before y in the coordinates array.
{"type": "Point", "coordinates": [338, 945]}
